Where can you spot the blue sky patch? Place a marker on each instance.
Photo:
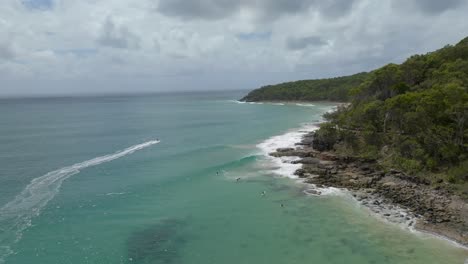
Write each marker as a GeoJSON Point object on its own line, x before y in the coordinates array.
{"type": "Point", "coordinates": [39, 4]}
{"type": "Point", "coordinates": [254, 36]}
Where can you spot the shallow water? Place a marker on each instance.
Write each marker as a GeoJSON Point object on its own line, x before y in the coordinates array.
{"type": "Point", "coordinates": [177, 201]}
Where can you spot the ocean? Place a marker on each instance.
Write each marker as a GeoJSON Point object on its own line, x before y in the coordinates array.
{"type": "Point", "coordinates": [179, 178]}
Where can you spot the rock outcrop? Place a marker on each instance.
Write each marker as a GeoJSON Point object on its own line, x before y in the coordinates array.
{"type": "Point", "coordinates": [437, 210]}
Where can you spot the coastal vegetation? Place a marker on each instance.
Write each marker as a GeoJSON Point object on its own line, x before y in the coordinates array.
{"type": "Point", "coordinates": [410, 116]}
{"type": "Point", "coordinates": [332, 89]}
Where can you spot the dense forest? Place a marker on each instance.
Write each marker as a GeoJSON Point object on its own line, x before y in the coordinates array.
{"type": "Point", "coordinates": [333, 89]}
{"type": "Point", "coordinates": [411, 116]}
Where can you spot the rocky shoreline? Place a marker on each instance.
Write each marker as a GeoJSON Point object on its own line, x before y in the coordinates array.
{"type": "Point", "coordinates": [398, 197]}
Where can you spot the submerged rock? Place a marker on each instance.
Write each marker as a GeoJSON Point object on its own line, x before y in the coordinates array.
{"type": "Point", "coordinates": [159, 243]}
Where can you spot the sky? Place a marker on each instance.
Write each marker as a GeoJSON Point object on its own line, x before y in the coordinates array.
{"type": "Point", "coordinates": [126, 46]}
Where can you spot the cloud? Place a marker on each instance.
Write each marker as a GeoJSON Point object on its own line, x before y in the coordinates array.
{"type": "Point", "coordinates": [430, 7]}
{"type": "Point", "coordinates": [78, 52]}
{"type": "Point", "coordinates": [275, 9]}
{"type": "Point", "coordinates": [116, 36]}
{"type": "Point", "coordinates": [187, 44]}
{"type": "Point", "coordinates": [437, 6]}
{"type": "Point", "coordinates": [336, 8]}
{"type": "Point", "coordinates": [199, 9]}
{"type": "Point", "coordinates": [263, 10]}
{"type": "Point", "coordinates": [252, 36]}
{"type": "Point", "coordinates": [302, 43]}
{"type": "Point", "coordinates": [7, 51]}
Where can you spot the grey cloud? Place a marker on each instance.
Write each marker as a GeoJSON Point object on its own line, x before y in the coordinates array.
{"type": "Point", "coordinates": [252, 36]}
{"type": "Point", "coordinates": [302, 43]}
{"type": "Point", "coordinates": [117, 36]}
{"type": "Point", "coordinates": [264, 9]}
{"type": "Point", "coordinates": [7, 51]}
{"type": "Point", "coordinates": [437, 6]}
{"type": "Point", "coordinates": [157, 45]}
{"type": "Point", "coordinates": [430, 7]}
{"type": "Point", "coordinates": [336, 8]}
{"type": "Point", "coordinates": [274, 9]}
{"type": "Point", "coordinates": [199, 9]}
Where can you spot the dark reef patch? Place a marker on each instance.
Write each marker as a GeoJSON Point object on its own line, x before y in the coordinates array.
{"type": "Point", "coordinates": [159, 243]}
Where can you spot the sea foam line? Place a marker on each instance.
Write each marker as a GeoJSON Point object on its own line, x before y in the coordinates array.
{"type": "Point", "coordinates": [16, 215]}
{"type": "Point", "coordinates": [284, 165]}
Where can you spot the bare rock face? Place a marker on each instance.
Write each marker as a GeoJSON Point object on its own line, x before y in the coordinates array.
{"type": "Point", "coordinates": [307, 140]}
{"type": "Point", "coordinates": [289, 152]}
{"type": "Point", "coordinates": [308, 160]}
{"type": "Point", "coordinates": [285, 149]}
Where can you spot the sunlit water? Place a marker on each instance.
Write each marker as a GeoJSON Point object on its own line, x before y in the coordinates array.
{"type": "Point", "coordinates": [85, 180]}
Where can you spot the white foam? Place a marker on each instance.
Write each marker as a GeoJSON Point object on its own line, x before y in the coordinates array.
{"type": "Point", "coordinates": [237, 101]}
{"type": "Point", "coordinates": [331, 110]}
{"type": "Point", "coordinates": [16, 215]}
{"type": "Point", "coordinates": [283, 165]}
{"type": "Point", "coordinates": [115, 193]}
{"type": "Point", "coordinates": [298, 104]}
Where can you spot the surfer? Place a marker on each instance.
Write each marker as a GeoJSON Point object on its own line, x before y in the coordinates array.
{"type": "Point", "coordinates": [263, 193]}
{"type": "Point", "coordinates": [238, 179]}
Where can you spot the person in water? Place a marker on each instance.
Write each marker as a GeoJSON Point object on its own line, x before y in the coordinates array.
{"type": "Point", "coordinates": [238, 179]}
{"type": "Point", "coordinates": [263, 193]}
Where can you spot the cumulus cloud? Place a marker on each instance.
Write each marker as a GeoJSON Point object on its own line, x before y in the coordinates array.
{"type": "Point", "coordinates": [262, 9]}
{"type": "Point", "coordinates": [427, 7]}
{"type": "Point", "coordinates": [304, 42]}
{"type": "Point", "coordinates": [437, 6]}
{"type": "Point", "coordinates": [214, 44]}
{"type": "Point", "coordinates": [203, 9]}
{"type": "Point", "coordinates": [7, 51]}
{"type": "Point", "coordinates": [116, 36]}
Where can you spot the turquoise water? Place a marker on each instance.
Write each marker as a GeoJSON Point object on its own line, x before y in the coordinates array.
{"type": "Point", "coordinates": [106, 191]}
